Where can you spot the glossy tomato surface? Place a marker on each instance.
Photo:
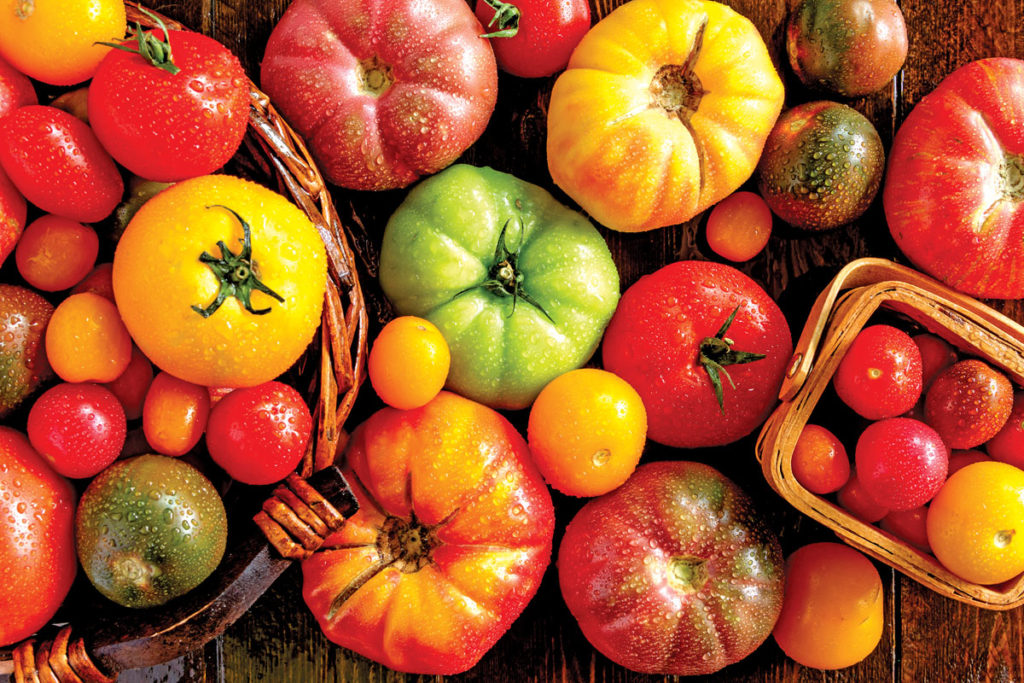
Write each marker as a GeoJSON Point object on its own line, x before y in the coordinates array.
{"type": "Point", "coordinates": [15, 89]}
{"type": "Point", "coordinates": [544, 36]}
{"type": "Point", "coordinates": [78, 428]}
{"type": "Point", "coordinates": [968, 403]}
{"type": "Point", "coordinates": [902, 463]}
{"type": "Point", "coordinates": [880, 374]}
{"type": "Point", "coordinates": [674, 572]}
{"type": "Point", "coordinates": [450, 542]}
{"type": "Point", "coordinates": [383, 91]}
{"type": "Point", "coordinates": [24, 316]}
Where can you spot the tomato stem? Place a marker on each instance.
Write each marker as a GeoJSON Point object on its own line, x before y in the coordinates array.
{"type": "Point", "coordinates": [717, 352]}
{"type": "Point", "coordinates": [506, 15]}
{"type": "Point", "coordinates": [155, 50]}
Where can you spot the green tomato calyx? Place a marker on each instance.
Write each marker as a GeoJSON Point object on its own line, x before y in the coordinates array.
{"type": "Point", "coordinates": [506, 16]}
{"type": "Point", "coordinates": [237, 273]}
{"type": "Point", "coordinates": [717, 352]}
{"type": "Point", "coordinates": [155, 50]}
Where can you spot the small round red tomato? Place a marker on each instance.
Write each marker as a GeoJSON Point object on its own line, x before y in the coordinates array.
{"type": "Point", "coordinates": [15, 89]}
{"type": "Point", "coordinates": [79, 428]}
{"type": "Point", "coordinates": [739, 226]}
{"type": "Point", "coordinates": [968, 403]}
{"type": "Point", "coordinates": [86, 340]}
{"type": "Point", "coordinates": [819, 462]}
{"type": "Point", "coordinates": [1008, 444]}
{"type": "Point", "coordinates": [259, 434]}
{"type": "Point", "coordinates": [132, 385]}
{"type": "Point", "coordinates": [880, 375]}
{"type": "Point", "coordinates": [55, 253]}
{"type": "Point", "coordinates": [180, 114]}
{"type": "Point", "coordinates": [408, 362]}
{"type": "Point", "coordinates": [174, 414]}
{"type": "Point", "coordinates": [855, 500]}
{"type": "Point", "coordinates": [909, 526]}
{"type": "Point", "coordinates": [961, 459]}
{"type": "Point", "coordinates": [57, 163]}
{"type": "Point", "coordinates": [13, 213]}
{"type": "Point", "coordinates": [98, 281]}
{"type": "Point", "coordinates": [533, 38]}
{"type": "Point", "coordinates": [902, 463]}
{"type": "Point", "coordinates": [936, 355]}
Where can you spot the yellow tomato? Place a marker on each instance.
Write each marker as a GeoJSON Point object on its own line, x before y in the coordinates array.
{"type": "Point", "coordinates": [409, 362]}
{"type": "Point", "coordinates": [662, 112]}
{"type": "Point", "coordinates": [183, 272]}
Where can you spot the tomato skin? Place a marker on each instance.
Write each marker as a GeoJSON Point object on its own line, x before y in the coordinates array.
{"type": "Point", "coordinates": [15, 89]}
{"type": "Point", "coordinates": [13, 213]}
{"type": "Point", "coordinates": [76, 179]}
{"type": "Point", "coordinates": [856, 500]}
{"type": "Point", "coordinates": [902, 463]}
{"type": "Point", "coordinates": [739, 226]}
{"type": "Point", "coordinates": [548, 33]}
{"type": "Point", "coordinates": [820, 463]}
{"type": "Point", "coordinates": [169, 127]}
{"type": "Point", "coordinates": [677, 545]}
{"type": "Point", "coordinates": [86, 340]}
{"type": "Point", "coordinates": [24, 316]}
{"type": "Point", "coordinates": [968, 403]}
{"type": "Point", "coordinates": [132, 385]}
{"type": "Point", "coordinates": [909, 526]}
{"type": "Point", "coordinates": [55, 253]}
{"type": "Point", "coordinates": [79, 428]}
{"type": "Point", "coordinates": [1008, 444]}
{"type": "Point", "coordinates": [880, 374]}
{"type": "Point", "coordinates": [174, 414]}
{"type": "Point", "coordinates": [408, 362]}
{"type": "Point", "coordinates": [936, 355]}
{"type": "Point", "coordinates": [961, 459]}
{"type": "Point", "coordinates": [98, 281]}
{"type": "Point", "coordinates": [37, 556]}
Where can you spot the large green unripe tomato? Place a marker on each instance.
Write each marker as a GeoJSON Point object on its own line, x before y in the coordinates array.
{"type": "Point", "coordinates": [520, 286]}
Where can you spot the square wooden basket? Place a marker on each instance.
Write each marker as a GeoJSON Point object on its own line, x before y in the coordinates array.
{"type": "Point", "coordinates": [840, 312]}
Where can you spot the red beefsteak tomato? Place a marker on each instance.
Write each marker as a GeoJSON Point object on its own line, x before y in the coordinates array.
{"type": "Point", "coordinates": [450, 542]}
{"type": "Point", "coordinates": [954, 190]}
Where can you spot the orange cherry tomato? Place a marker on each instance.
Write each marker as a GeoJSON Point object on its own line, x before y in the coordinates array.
{"type": "Point", "coordinates": [132, 385]}
{"type": "Point", "coordinates": [174, 415]}
{"type": "Point", "coordinates": [820, 463]}
{"type": "Point", "coordinates": [86, 340]}
{"type": "Point", "coordinates": [739, 226]}
{"type": "Point", "coordinates": [55, 253]}
{"type": "Point", "coordinates": [99, 281]}
{"type": "Point", "coordinates": [832, 613]}
{"type": "Point", "coordinates": [408, 363]}
{"type": "Point", "coordinates": [587, 431]}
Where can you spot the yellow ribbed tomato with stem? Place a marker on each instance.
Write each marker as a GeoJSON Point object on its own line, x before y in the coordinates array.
{"type": "Point", "coordinates": [662, 112]}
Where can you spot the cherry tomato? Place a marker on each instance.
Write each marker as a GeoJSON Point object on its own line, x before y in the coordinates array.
{"type": "Point", "coordinates": [132, 385]}
{"type": "Point", "coordinates": [1008, 444]}
{"type": "Point", "coordinates": [936, 355]}
{"type": "Point", "coordinates": [533, 38]}
{"type": "Point", "coordinates": [57, 163]}
{"type": "Point", "coordinates": [74, 102]}
{"type": "Point", "coordinates": [56, 41]}
{"type": "Point", "coordinates": [961, 459]}
{"type": "Point", "coordinates": [968, 403]}
{"type": "Point", "coordinates": [819, 462]}
{"type": "Point", "coordinates": [259, 434]}
{"type": "Point", "coordinates": [739, 226]}
{"type": "Point", "coordinates": [174, 414]}
{"type": "Point", "coordinates": [858, 503]}
{"type": "Point", "coordinates": [15, 89]}
{"type": "Point", "coordinates": [880, 375]}
{"type": "Point", "coordinates": [587, 431]}
{"type": "Point", "coordinates": [79, 428]}
{"type": "Point", "coordinates": [98, 281]}
{"type": "Point", "coordinates": [86, 340]}
{"type": "Point", "coordinates": [217, 393]}
{"type": "Point", "coordinates": [13, 212]}
{"type": "Point", "coordinates": [55, 253]}
{"type": "Point", "coordinates": [902, 463]}
{"type": "Point", "coordinates": [909, 526]}
{"type": "Point", "coordinates": [409, 362]}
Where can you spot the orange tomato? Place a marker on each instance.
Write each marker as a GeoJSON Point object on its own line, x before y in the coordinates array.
{"type": "Point", "coordinates": [587, 431]}
{"type": "Point", "coordinates": [86, 340]}
{"type": "Point", "coordinates": [55, 253]}
{"type": "Point", "coordinates": [409, 362]}
{"type": "Point", "coordinates": [976, 522]}
{"type": "Point", "coordinates": [739, 226]}
{"type": "Point", "coordinates": [832, 613]}
{"type": "Point", "coordinates": [820, 463]}
{"type": "Point", "coordinates": [174, 415]}
{"type": "Point", "coordinates": [662, 112]}
{"type": "Point", "coordinates": [55, 41]}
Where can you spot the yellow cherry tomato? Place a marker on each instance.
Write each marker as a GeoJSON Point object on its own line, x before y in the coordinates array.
{"type": "Point", "coordinates": [739, 226]}
{"type": "Point", "coordinates": [86, 340]}
{"type": "Point", "coordinates": [408, 362]}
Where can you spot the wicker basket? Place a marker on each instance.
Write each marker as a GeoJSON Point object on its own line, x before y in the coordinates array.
{"type": "Point", "coordinates": [299, 514]}
{"type": "Point", "coordinates": [840, 312]}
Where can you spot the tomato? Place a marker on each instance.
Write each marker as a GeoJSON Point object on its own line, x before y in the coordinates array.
{"type": "Point", "coordinates": [674, 572]}
{"type": "Point", "coordinates": [936, 355]}
{"type": "Point", "coordinates": [15, 89]}
{"type": "Point", "coordinates": [86, 340]}
{"type": "Point", "coordinates": [909, 526]}
{"type": "Point", "coordinates": [24, 316]}
{"type": "Point", "coordinates": [174, 414]}
{"type": "Point", "coordinates": [819, 462]}
{"type": "Point", "coordinates": [37, 545]}
{"type": "Point", "coordinates": [880, 374]}
{"type": "Point", "coordinates": [649, 132]}
{"type": "Point", "coordinates": [180, 113]}
{"type": "Point", "coordinates": [74, 102]}
{"type": "Point", "coordinates": [451, 540]}
{"type": "Point", "coordinates": [533, 38]}
{"type": "Point", "coordinates": [56, 41]}
{"type": "Point", "coordinates": [822, 165]}
{"type": "Point", "coordinates": [976, 523]}
{"type": "Point", "coordinates": [98, 281]}
{"type": "Point", "coordinates": [57, 163]}
{"type": "Point", "coordinates": [240, 291]}
{"type": "Point", "coordinates": [968, 403]}
{"type": "Point", "coordinates": [961, 459]}
{"type": "Point", "coordinates": [705, 347]}
{"type": "Point", "coordinates": [79, 428]}
{"type": "Point", "coordinates": [520, 286]}
{"type": "Point", "coordinates": [259, 434]}
{"type": "Point", "coordinates": [855, 500]}
{"type": "Point", "coordinates": [392, 90]}
{"type": "Point", "coordinates": [132, 385]}
{"type": "Point", "coordinates": [56, 253]}
{"type": "Point", "coordinates": [963, 226]}
{"type": "Point", "coordinates": [587, 430]}
{"type": "Point", "coordinates": [408, 362]}
{"type": "Point", "coordinates": [149, 529]}
{"type": "Point", "coordinates": [902, 463]}
{"type": "Point", "coordinates": [13, 213]}
{"type": "Point", "coordinates": [834, 610]}
{"type": "Point", "coordinates": [850, 47]}
{"type": "Point", "coordinates": [1008, 444]}
{"type": "Point", "coordinates": [739, 226]}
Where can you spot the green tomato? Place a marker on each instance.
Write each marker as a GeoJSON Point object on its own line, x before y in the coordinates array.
{"type": "Point", "coordinates": [520, 286]}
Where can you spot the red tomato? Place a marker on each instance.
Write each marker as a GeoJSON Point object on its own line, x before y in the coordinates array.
{"type": "Point", "coordinates": [909, 526]}
{"type": "Point", "coordinates": [57, 163]}
{"type": "Point", "coordinates": [674, 572]}
{"type": "Point", "coordinates": [99, 281]}
{"type": "Point", "coordinates": [534, 38]}
{"type": "Point", "coordinates": [699, 381]}
{"type": "Point", "coordinates": [880, 375]}
{"type": "Point", "coordinates": [391, 91]}
{"type": "Point", "coordinates": [739, 226]}
{"type": "Point", "coordinates": [259, 434]}
{"type": "Point", "coordinates": [961, 459]}
{"type": "Point", "coordinates": [858, 503]}
{"type": "Point", "coordinates": [1008, 444]}
{"type": "Point", "coordinates": [132, 385]}
{"type": "Point", "coordinates": [170, 126]}
{"type": "Point", "coordinates": [37, 542]}
{"type": "Point", "coordinates": [55, 253]}
{"type": "Point", "coordinates": [78, 428]}
{"type": "Point", "coordinates": [936, 355]}
{"type": "Point", "coordinates": [174, 414]}
{"type": "Point", "coordinates": [15, 89]}
{"type": "Point", "coordinates": [24, 316]}
{"type": "Point", "coordinates": [820, 463]}
{"type": "Point", "coordinates": [968, 403]}
{"type": "Point", "coordinates": [13, 213]}
{"type": "Point", "coordinates": [964, 225]}
{"type": "Point", "coordinates": [902, 463]}
{"type": "Point", "coordinates": [451, 540]}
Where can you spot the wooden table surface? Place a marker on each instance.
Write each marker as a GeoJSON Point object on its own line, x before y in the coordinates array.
{"type": "Point", "coordinates": [926, 637]}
